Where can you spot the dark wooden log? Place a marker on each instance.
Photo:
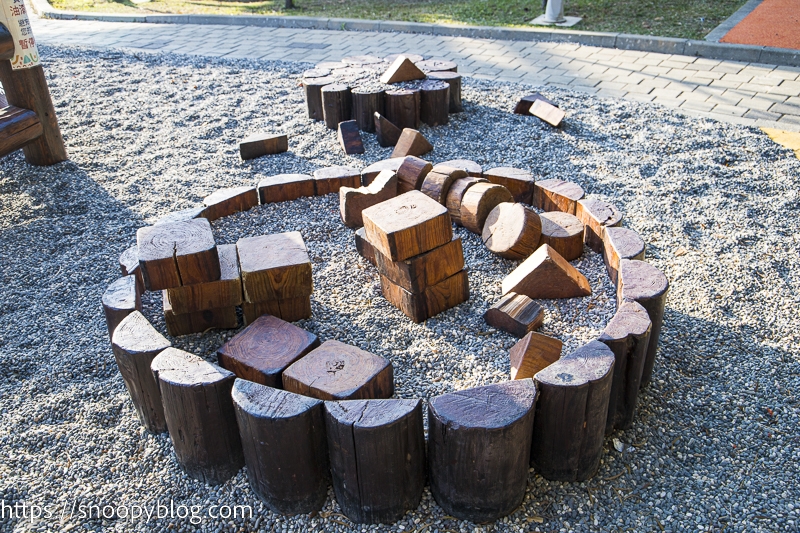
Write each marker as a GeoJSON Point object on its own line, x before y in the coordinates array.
{"type": "Point", "coordinates": [454, 81]}
{"type": "Point", "coordinates": [367, 101]}
{"type": "Point", "coordinates": [456, 194]}
{"type": "Point", "coordinates": [516, 314]}
{"type": "Point", "coordinates": [417, 273]}
{"type": "Point", "coordinates": [353, 202]}
{"type": "Point", "coordinates": [643, 283]}
{"type": "Point", "coordinates": [478, 202]}
{"type": "Point", "coordinates": [512, 231]}
{"type": "Point", "coordinates": [377, 455]}
{"type": "Point", "coordinates": [472, 168]}
{"type": "Point", "coordinates": [264, 349]}
{"type": "Point", "coordinates": [180, 253]}
{"type": "Point", "coordinates": [557, 195]}
{"type": "Point", "coordinates": [27, 89]}
{"type": "Point", "coordinates": [438, 182]}
{"type": "Point", "coordinates": [562, 232]}
{"type": "Point", "coordinates": [571, 413]}
{"type": "Point", "coordinates": [547, 113]}
{"type": "Point", "coordinates": [225, 202]}
{"type": "Point", "coordinates": [619, 244]}
{"type": "Point", "coordinates": [411, 174]}
{"type": "Point", "coordinates": [413, 57]}
{"type": "Point", "coordinates": [349, 137]}
{"type": "Point", "coordinates": [411, 142]}
{"type": "Point", "coordinates": [408, 225]}
{"type": "Point", "coordinates": [596, 215]}
{"type": "Point", "coordinates": [402, 108]}
{"type": "Point", "coordinates": [198, 321]}
{"type": "Point", "coordinates": [479, 444]}
{"type": "Point", "coordinates": [226, 292]}
{"type": "Point", "coordinates": [437, 65]}
{"type": "Point", "coordinates": [274, 267]}
{"type": "Point", "coordinates": [312, 88]}
{"type": "Point", "coordinates": [260, 144]}
{"type": "Point", "coordinates": [285, 448]}
{"type": "Point", "coordinates": [545, 275]}
{"type": "Point", "coordinates": [401, 69]}
{"type": "Point", "coordinates": [372, 171]}
{"type": "Point", "coordinates": [532, 354]}
{"type": "Point", "coordinates": [288, 309]}
{"type": "Point", "coordinates": [431, 301]}
{"type": "Point", "coordinates": [18, 127]}
{"type": "Point", "coordinates": [519, 182]}
{"type": "Point", "coordinates": [330, 179]}
{"type": "Point", "coordinates": [627, 335]}
{"type": "Point", "coordinates": [337, 104]}
{"type": "Point", "coordinates": [388, 134]}
{"type": "Point", "coordinates": [317, 72]}
{"type": "Point", "coordinates": [364, 247]}
{"type": "Point", "coordinates": [183, 215]}
{"type": "Point", "coordinates": [201, 419]}
{"type": "Point", "coordinates": [135, 344]}
{"type": "Point", "coordinates": [129, 265]}
{"type": "Point", "coordinates": [120, 299]}
{"type": "Point", "coordinates": [434, 102]}
{"type": "Point", "coordinates": [285, 187]}
{"type": "Point", "coordinates": [337, 371]}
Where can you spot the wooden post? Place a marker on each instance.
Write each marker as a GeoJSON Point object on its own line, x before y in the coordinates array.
{"type": "Point", "coordinates": [519, 182]}
{"type": "Point", "coordinates": [619, 244]}
{"type": "Point", "coordinates": [226, 202]}
{"type": "Point", "coordinates": [337, 105]}
{"type": "Point", "coordinates": [439, 180]}
{"type": "Point", "coordinates": [364, 247]}
{"type": "Point", "coordinates": [417, 273]}
{"type": "Point", "coordinates": [120, 299]}
{"type": "Point", "coordinates": [411, 174]}
{"type": "Point", "coordinates": [596, 216]}
{"type": "Point", "coordinates": [402, 107]}
{"type": "Point", "coordinates": [434, 102]}
{"type": "Point", "coordinates": [367, 101]}
{"type": "Point", "coordinates": [312, 88]}
{"type": "Point", "coordinates": [371, 172]}
{"type": "Point", "coordinates": [454, 80]}
{"type": "Point", "coordinates": [557, 195]}
{"type": "Point", "coordinates": [352, 202]}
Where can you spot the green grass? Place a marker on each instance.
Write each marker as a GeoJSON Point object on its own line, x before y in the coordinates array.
{"type": "Point", "coordinates": [691, 19]}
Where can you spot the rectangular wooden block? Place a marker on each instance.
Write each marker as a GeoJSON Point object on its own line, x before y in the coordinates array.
{"type": "Point", "coordinates": [200, 321]}
{"type": "Point", "coordinates": [349, 137]}
{"type": "Point", "coordinates": [432, 301]}
{"type": "Point", "coordinates": [364, 247]}
{"type": "Point", "coordinates": [226, 292]}
{"type": "Point", "coordinates": [285, 187]}
{"type": "Point", "coordinates": [289, 310]}
{"type": "Point", "coordinates": [330, 179]}
{"type": "Point", "coordinates": [259, 144]}
{"type": "Point", "coordinates": [224, 202]}
{"type": "Point", "coordinates": [417, 273]}
{"type": "Point", "coordinates": [274, 267]}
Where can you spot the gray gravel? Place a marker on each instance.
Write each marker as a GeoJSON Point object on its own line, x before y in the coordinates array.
{"type": "Point", "coordinates": [715, 442]}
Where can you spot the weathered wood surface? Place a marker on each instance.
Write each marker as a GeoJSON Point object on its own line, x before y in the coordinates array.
{"type": "Point", "coordinates": [596, 216]}
{"type": "Point", "coordinates": [264, 349]}
{"type": "Point", "coordinates": [437, 65]}
{"type": "Point", "coordinates": [18, 127]}
{"type": "Point", "coordinates": [434, 106]}
{"type": "Point", "coordinates": [479, 443]}
{"type": "Point", "coordinates": [371, 172]}
{"type": "Point", "coordinates": [349, 137]}
{"type": "Point", "coordinates": [562, 232]}
{"type": "Point", "coordinates": [408, 225]}
{"type": "Point", "coordinates": [226, 292]}
{"type": "Point", "coordinates": [316, 73]}
{"type": "Point", "coordinates": [402, 107]}
{"type": "Point", "coordinates": [182, 216]}
{"type": "Point", "coordinates": [260, 144]}
{"type": "Point", "coordinates": [364, 247]}
{"type": "Point", "coordinates": [571, 413]}
{"type": "Point", "coordinates": [180, 253]}
{"type": "Point", "coordinates": [532, 354]}
{"type": "Point", "coordinates": [402, 69]}
{"type": "Point", "coordinates": [523, 107]}
{"type": "Point", "coordinates": [377, 455]}
{"type": "Point", "coordinates": [285, 187]}
{"type": "Point", "coordinates": [627, 335]}
{"type": "Point", "coordinates": [547, 112]}
{"type": "Point", "coordinates": [387, 132]}
{"type": "Point", "coordinates": [411, 174]}
{"type": "Point", "coordinates": [337, 104]}
{"type": "Point", "coordinates": [198, 321]}
{"type": "Point", "coordinates": [454, 81]}
{"type": "Point", "coordinates": [512, 231]}
{"type": "Point", "coordinates": [557, 195]}
{"type": "Point", "coordinates": [519, 182]}
{"type": "Point", "coordinates": [417, 273]}
{"type": "Point", "coordinates": [285, 447]}
{"type": "Point", "coordinates": [439, 180]}
{"type": "Point", "coordinates": [472, 168]}
{"type": "Point", "coordinates": [274, 267]}
{"type": "Point", "coordinates": [330, 179]}
{"type": "Point", "coordinates": [120, 299]}
{"type": "Point", "coordinates": [431, 301]}
{"type": "Point", "coordinates": [129, 265]}
{"type": "Point", "coordinates": [619, 244]}
{"type": "Point", "coordinates": [353, 202]}
{"type": "Point", "coordinates": [367, 101]}
{"type": "Point", "coordinates": [478, 202]}
{"type": "Point", "coordinates": [288, 309]}
{"type": "Point", "coordinates": [411, 142]}
{"type": "Point", "coordinates": [516, 314]}
{"type": "Point", "coordinates": [545, 275]}
{"type": "Point", "coordinates": [312, 89]}
{"type": "Point", "coordinates": [135, 343]}
{"type": "Point", "coordinates": [645, 284]}
{"type": "Point", "coordinates": [201, 419]}
{"type": "Point", "coordinates": [455, 195]}
{"type": "Point", "coordinates": [337, 371]}
{"type": "Point", "coordinates": [225, 202]}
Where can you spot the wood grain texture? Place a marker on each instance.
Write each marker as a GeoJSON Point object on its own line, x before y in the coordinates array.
{"type": "Point", "coordinates": [18, 127]}
{"type": "Point", "coordinates": [353, 202]}
{"type": "Point", "coordinates": [472, 168]}
{"type": "Point", "coordinates": [198, 321]}
{"type": "Point", "coordinates": [523, 107]}
{"type": "Point", "coordinates": [337, 104]}
{"type": "Point", "coordinates": [411, 174]}
{"type": "Point", "coordinates": [479, 444]}
{"type": "Point", "coordinates": [546, 275]}
{"type": "Point", "coordinates": [371, 172]}
{"type": "Point", "coordinates": [437, 65]}
{"type": "Point", "coordinates": [519, 182]}
{"type": "Point", "coordinates": [438, 182]}
{"type": "Point", "coordinates": [274, 267]}
{"type": "Point", "coordinates": [532, 354]}
{"type": "Point", "coordinates": [225, 202]}
{"type": "Point", "coordinates": [512, 231]}
{"type": "Point", "coordinates": [571, 414]}
{"type": "Point", "coordinates": [430, 302]}
{"type": "Point", "coordinates": [129, 266]}
{"type": "Point", "coordinates": [367, 101]}
{"type": "Point", "coordinates": [261, 144]}
{"type": "Point", "coordinates": [201, 419]}
{"type": "Point", "coordinates": [411, 142]}
{"type": "Point", "coordinates": [516, 314]}
{"type": "Point", "coordinates": [349, 137]}
{"type": "Point", "coordinates": [402, 69]}
{"type": "Point", "coordinates": [455, 195]}
{"type": "Point", "coordinates": [454, 81]}
{"type": "Point", "coordinates": [547, 113]}
{"type": "Point", "coordinates": [562, 232]}
{"type": "Point", "coordinates": [330, 179]}
{"type": "Point", "coordinates": [288, 309]}
{"type": "Point", "coordinates": [226, 292]}
{"type": "Point", "coordinates": [619, 244]}
{"type": "Point", "coordinates": [434, 105]}
{"type": "Point", "coordinates": [478, 202]}
{"type": "Point", "coordinates": [284, 445]}
{"type": "Point", "coordinates": [135, 344]}
{"type": "Point", "coordinates": [417, 273]}
{"type": "Point", "coordinates": [377, 455]}
{"type": "Point", "coordinates": [596, 215]}
{"type": "Point", "coordinates": [264, 349]}
{"type": "Point", "coordinates": [408, 225]}
{"type": "Point", "coordinates": [312, 90]}
{"type": "Point", "coordinates": [402, 108]}
{"type": "Point", "coordinates": [386, 131]}
{"type": "Point", "coordinates": [182, 215]}
{"type": "Point", "coordinates": [557, 195]}
{"type": "Point", "coordinates": [285, 187]}
{"type": "Point", "coordinates": [120, 299]}
{"type": "Point", "coordinates": [364, 247]}
{"type": "Point", "coordinates": [337, 371]}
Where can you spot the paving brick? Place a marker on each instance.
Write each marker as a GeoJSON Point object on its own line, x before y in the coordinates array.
{"type": "Point", "coordinates": [724, 99]}
{"type": "Point", "coordinates": [660, 93]}
{"type": "Point", "coordinates": [612, 86]}
{"type": "Point", "coordinates": [725, 84]}
{"type": "Point", "coordinates": [610, 93]}
{"type": "Point", "coordinates": [786, 109]}
{"type": "Point", "coordinates": [756, 114]}
{"type": "Point", "coordinates": [637, 89]}
{"type": "Point", "coordinates": [725, 109]}
{"type": "Point", "coordinates": [681, 86]}
{"type": "Point", "coordinates": [656, 71]}
{"type": "Point", "coordinates": [638, 97]}
{"type": "Point", "coordinates": [656, 83]}
{"type": "Point", "coordinates": [789, 119]}
{"type": "Point", "coordinates": [697, 106]}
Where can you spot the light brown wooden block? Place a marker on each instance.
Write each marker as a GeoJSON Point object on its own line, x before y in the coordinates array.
{"type": "Point", "coordinates": [456, 194]}
{"type": "Point", "coordinates": [259, 144]}
{"type": "Point", "coordinates": [557, 195]}
{"type": "Point", "coordinates": [562, 232]}
{"type": "Point", "coordinates": [515, 314]}
{"type": "Point", "coordinates": [289, 309]}
{"type": "Point", "coordinates": [596, 215]}
{"type": "Point", "coordinates": [408, 225]}
{"type": "Point", "coordinates": [225, 292]}
{"type": "Point", "coordinates": [519, 182]}
{"type": "Point", "coordinates": [545, 275]}
{"type": "Point", "coordinates": [402, 69]}
{"type": "Point", "coordinates": [478, 202]}
{"type": "Point", "coordinates": [472, 168]}
{"type": "Point", "coordinates": [411, 142]}
{"type": "Point", "coordinates": [430, 302]}
{"type": "Point", "coordinates": [330, 179]}
{"type": "Point", "coordinates": [417, 273]}
{"type": "Point", "coordinates": [523, 107]}
{"type": "Point", "coordinates": [274, 267]}
{"type": "Point", "coordinates": [532, 354]}
{"type": "Point", "coordinates": [349, 137]}
{"type": "Point", "coordinates": [224, 202]}
{"type": "Point", "coordinates": [438, 182]}
{"type": "Point", "coordinates": [364, 247]}
{"type": "Point", "coordinates": [337, 371]}
{"type": "Point", "coordinates": [285, 187]}
{"type": "Point", "coordinates": [369, 174]}
{"type": "Point", "coordinates": [198, 321]}
{"type": "Point", "coordinates": [120, 299]}
{"type": "Point", "coordinates": [352, 202]}
{"type": "Point", "coordinates": [387, 132]}
{"type": "Point", "coordinates": [619, 244]}
{"type": "Point", "coordinates": [512, 231]}
{"type": "Point", "coordinates": [547, 112]}
{"type": "Point", "coordinates": [411, 174]}
{"type": "Point", "coordinates": [129, 265]}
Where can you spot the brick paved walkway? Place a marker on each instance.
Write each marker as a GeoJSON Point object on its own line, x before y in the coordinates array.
{"type": "Point", "coordinates": [742, 93]}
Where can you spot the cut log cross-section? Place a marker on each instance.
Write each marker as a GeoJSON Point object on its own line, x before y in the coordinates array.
{"type": "Point", "coordinates": [260, 144]}
{"type": "Point", "coordinates": [411, 142]}
{"type": "Point", "coordinates": [364, 247]}
{"type": "Point", "coordinates": [274, 267]}
{"type": "Point", "coordinates": [367, 101]}
{"type": "Point", "coordinates": [562, 232]}
{"type": "Point", "coordinates": [402, 107]}
{"type": "Point", "coordinates": [545, 275]}
{"type": "Point", "coordinates": [411, 174]}
{"type": "Point", "coordinates": [512, 231]}
{"type": "Point", "coordinates": [596, 216]}
{"type": "Point", "coordinates": [349, 137]}
{"type": "Point", "coordinates": [519, 182]}
{"type": "Point", "coordinates": [417, 273]}
{"type": "Point", "coordinates": [386, 131]}
{"type": "Point", "coordinates": [439, 180]}
{"type": "Point", "coordinates": [353, 202]}
{"type": "Point", "coordinates": [478, 202]}
{"type": "Point", "coordinates": [434, 104]}
{"type": "Point", "coordinates": [516, 314]}
{"type": "Point", "coordinates": [431, 301]}
{"type": "Point", "coordinates": [453, 79]}
{"type": "Point", "coordinates": [285, 187]}
{"type": "Point", "coordinates": [619, 244]}
{"type": "Point", "coordinates": [532, 354]}
{"type": "Point", "coordinates": [557, 195]}
{"type": "Point", "coordinates": [330, 179]}
{"type": "Point", "coordinates": [456, 194]}
{"type": "Point", "coordinates": [225, 202]}
{"type": "Point", "coordinates": [120, 299]}
{"type": "Point", "coordinates": [336, 104]}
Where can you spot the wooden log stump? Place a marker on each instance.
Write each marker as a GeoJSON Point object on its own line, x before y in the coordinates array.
{"type": "Point", "coordinates": [367, 100]}
{"type": "Point", "coordinates": [431, 301]}
{"type": "Point", "coordinates": [284, 445]}
{"type": "Point", "coordinates": [388, 134]}
{"type": "Point", "coordinates": [181, 253]}
{"type": "Point", "coordinates": [198, 321]}
{"type": "Point", "coordinates": [312, 89]}
{"type": "Point", "coordinates": [364, 247]}
{"type": "Point", "coordinates": [135, 344]}
{"type": "Point", "coordinates": [129, 265]}
{"type": "Point", "coordinates": [546, 275]}
{"type": "Point", "coordinates": [349, 138]}
{"type": "Point", "coordinates": [264, 349]}
{"type": "Point", "coordinates": [557, 195]}
{"type": "Point", "coordinates": [472, 168]}
{"type": "Point", "coordinates": [377, 455]}
{"type": "Point", "coordinates": [369, 174]}
{"type": "Point", "coordinates": [285, 187]}
{"type": "Point", "coordinates": [437, 65]}
{"type": "Point", "coordinates": [643, 283]}
{"type": "Point", "coordinates": [288, 309]}
{"type": "Point", "coordinates": [438, 182]}
{"type": "Point", "coordinates": [337, 371]}
{"type": "Point", "coordinates": [196, 396]}
{"type": "Point", "coordinates": [316, 73]}
{"type": "Point", "coordinates": [411, 142]}
{"type": "Point", "coordinates": [330, 65]}
{"type": "Point", "coordinates": [182, 216]}
{"type": "Point", "coordinates": [523, 107]}
{"type": "Point", "coordinates": [478, 202]}
{"type": "Point", "coordinates": [260, 144]}
{"type": "Point", "coordinates": [408, 225]}
{"type": "Point", "coordinates": [337, 104]}
{"type": "Point", "coordinates": [401, 69]}
{"type": "Point", "coordinates": [519, 182]}
{"type": "Point", "coordinates": [353, 202]}
{"type": "Point", "coordinates": [226, 292]}
{"type": "Point", "coordinates": [402, 107]}
{"type": "Point", "coordinates": [120, 299]}
{"type": "Point", "coordinates": [596, 216]}
{"type": "Point", "coordinates": [516, 314]}
{"type": "Point", "coordinates": [225, 202]}
{"type": "Point", "coordinates": [479, 444]}
{"type": "Point", "coordinates": [411, 174]}
{"type": "Point", "coordinates": [564, 233]}
{"type": "Point", "coordinates": [547, 113]}
{"type": "Point", "coordinates": [455, 195]}
{"type": "Point", "coordinates": [454, 81]}
{"type": "Point", "coordinates": [274, 267]}
{"type": "Point", "coordinates": [619, 244]}
{"type": "Point", "coordinates": [627, 335]}
{"type": "Point", "coordinates": [512, 231]}
{"type": "Point", "coordinates": [417, 273]}
{"type": "Point", "coordinates": [532, 354]}
{"type": "Point", "coordinates": [434, 103]}
{"type": "Point", "coordinates": [571, 414]}
{"type": "Point", "coordinates": [330, 179]}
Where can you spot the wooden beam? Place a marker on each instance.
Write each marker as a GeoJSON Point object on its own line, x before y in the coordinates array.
{"type": "Point", "coordinates": [18, 127]}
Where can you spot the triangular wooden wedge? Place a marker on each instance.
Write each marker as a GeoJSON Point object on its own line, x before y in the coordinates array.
{"type": "Point", "coordinates": [533, 353]}
{"type": "Point", "coordinates": [547, 112]}
{"type": "Point", "coordinates": [403, 69]}
{"type": "Point", "coordinates": [411, 142]}
{"type": "Point", "coordinates": [545, 274]}
{"type": "Point", "coordinates": [387, 132]}
{"type": "Point", "coordinates": [349, 138]}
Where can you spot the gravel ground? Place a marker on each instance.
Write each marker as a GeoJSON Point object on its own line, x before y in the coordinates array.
{"type": "Point", "coordinates": [715, 442]}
